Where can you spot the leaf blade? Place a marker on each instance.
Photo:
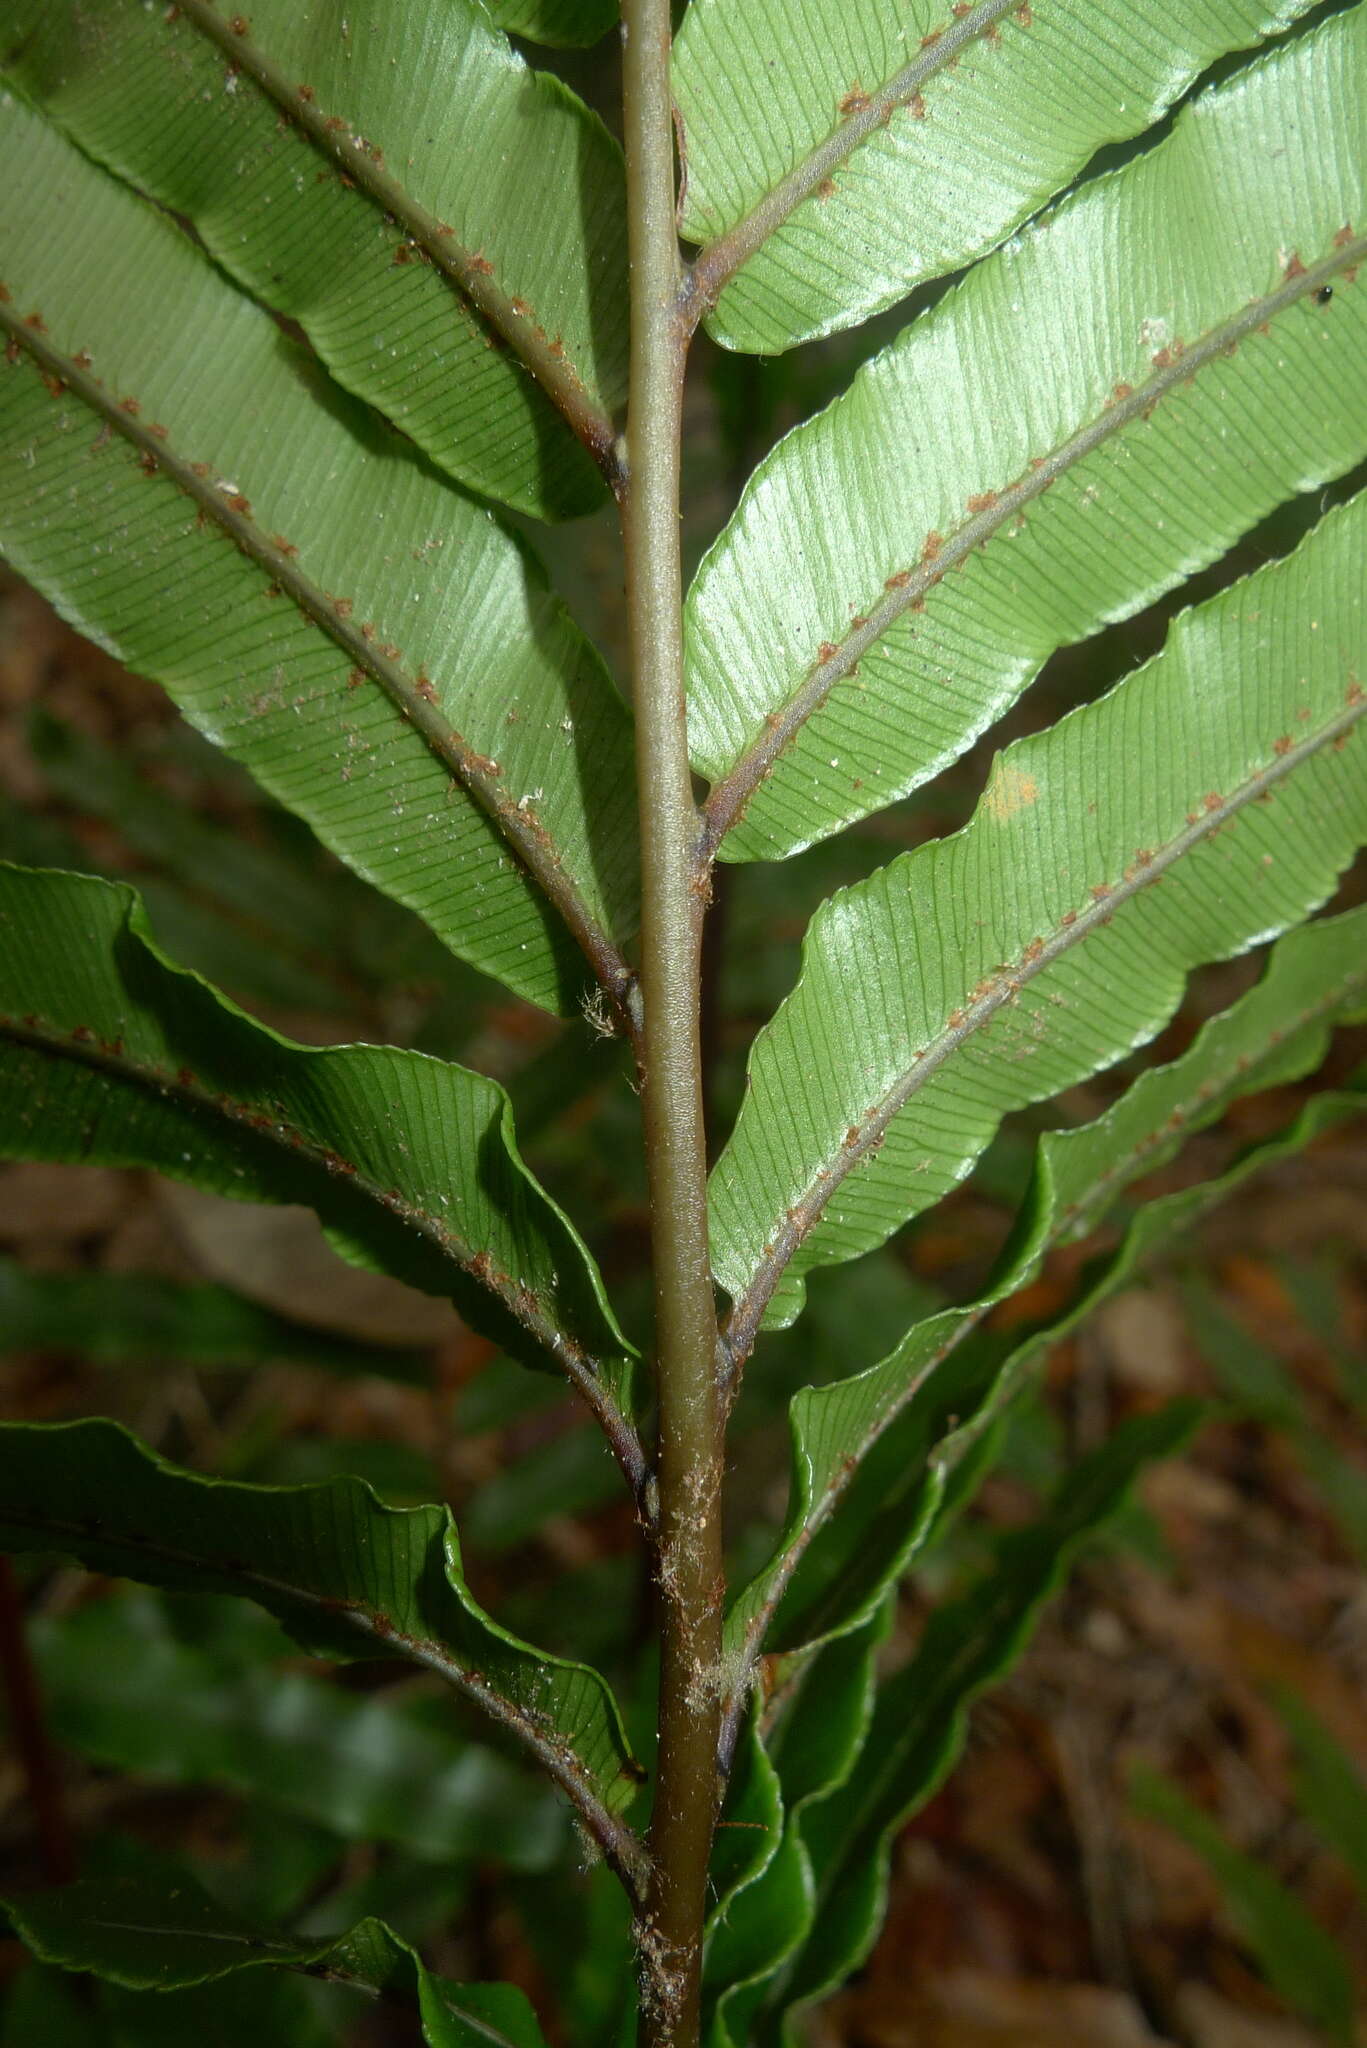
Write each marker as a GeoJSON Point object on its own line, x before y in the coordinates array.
{"type": "Point", "coordinates": [403, 281]}
{"type": "Point", "coordinates": [835, 663]}
{"type": "Point", "coordinates": [218, 533]}
{"type": "Point", "coordinates": [346, 1575]}
{"type": "Point", "coordinates": [869, 164]}
{"type": "Point", "coordinates": [1042, 913]}
{"type": "Point", "coordinates": [874, 1454]}
{"type": "Point", "coordinates": [920, 1716]}
{"type": "Point", "coordinates": [125, 1688]}
{"type": "Point", "coordinates": [112, 1054]}
{"type": "Point", "coordinates": [135, 1934]}
{"type": "Point", "coordinates": [814, 1749]}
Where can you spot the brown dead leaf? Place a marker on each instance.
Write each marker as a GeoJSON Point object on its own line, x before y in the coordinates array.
{"type": "Point", "coordinates": [1143, 1339]}
{"type": "Point", "coordinates": [55, 1204]}
{"type": "Point", "coordinates": [972, 2009]}
{"type": "Point", "coordinates": [1210, 2021]}
{"type": "Point", "coordinates": [280, 1258]}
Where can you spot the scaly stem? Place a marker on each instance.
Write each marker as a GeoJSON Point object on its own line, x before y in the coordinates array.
{"type": "Point", "coordinates": [689, 1544]}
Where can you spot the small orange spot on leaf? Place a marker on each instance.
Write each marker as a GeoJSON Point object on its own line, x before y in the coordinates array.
{"type": "Point", "coordinates": [1011, 790]}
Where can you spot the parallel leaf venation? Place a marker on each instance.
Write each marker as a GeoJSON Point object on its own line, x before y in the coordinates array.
{"type": "Point", "coordinates": [414, 696]}
{"type": "Point", "coordinates": [781, 1912]}
{"type": "Point", "coordinates": [921, 1711]}
{"type": "Point", "coordinates": [346, 1574]}
{"type": "Point", "coordinates": [369, 179]}
{"type": "Point", "coordinates": [410, 1162]}
{"type": "Point", "coordinates": [863, 1138]}
{"type": "Point", "coordinates": [1315, 978]}
{"type": "Point", "coordinates": [894, 145]}
{"type": "Point", "coordinates": [363, 618]}
{"type": "Point", "coordinates": [303, 1150]}
{"type": "Point", "coordinates": [811, 1735]}
{"type": "Point", "coordinates": [1094, 414]}
{"type": "Point", "coordinates": [863, 114]}
{"type": "Point", "coordinates": [905, 589]}
{"type": "Point", "coordinates": [512, 318]}
{"type": "Point", "coordinates": [989, 970]}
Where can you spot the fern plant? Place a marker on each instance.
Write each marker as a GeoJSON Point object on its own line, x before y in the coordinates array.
{"type": "Point", "coordinates": [309, 311]}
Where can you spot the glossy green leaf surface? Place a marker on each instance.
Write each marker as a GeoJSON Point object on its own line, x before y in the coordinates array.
{"type": "Point", "coordinates": [346, 1575]}
{"type": "Point", "coordinates": [891, 144]}
{"type": "Point", "coordinates": [121, 1687]}
{"type": "Point", "coordinates": [989, 970]}
{"type": "Point", "coordinates": [382, 656]}
{"type": "Point", "coordinates": [142, 1319]}
{"type": "Point", "coordinates": [920, 1715]}
{"type": "Point", "coordinates": [144, 1938]}
{"type": "Point", "coordinates": [1098, 411]}
{"type": "Point", "coordinates": [110, 1054]}
{"type": "Point", "coordinates": [812, 1749]}
{"type": "Point", "coordinates": [1299, 1958]}
{"type": "Point", "coordinates": [873, 1453]}
{"type": "Point", "coordinates": [475, 159]}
